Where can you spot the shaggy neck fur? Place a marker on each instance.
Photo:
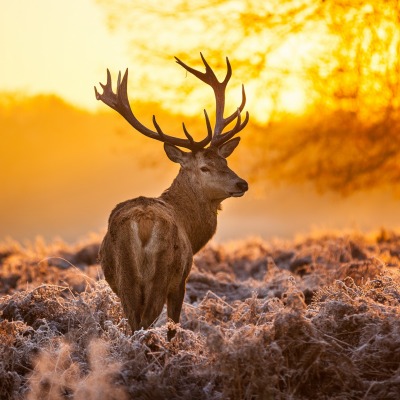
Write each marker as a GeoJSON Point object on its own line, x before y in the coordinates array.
{"type": "Point", "coordinates": [195, 213]}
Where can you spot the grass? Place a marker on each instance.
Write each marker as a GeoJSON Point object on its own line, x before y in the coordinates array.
{"type": "Point", "coordinates": [313, 318]}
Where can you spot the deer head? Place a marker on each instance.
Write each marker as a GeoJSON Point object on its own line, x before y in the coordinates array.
{"type": "Point", "coordinates": [205, 166]}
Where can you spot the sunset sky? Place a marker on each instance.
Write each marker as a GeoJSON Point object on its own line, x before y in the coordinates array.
{"type": "Point", "coordinates": [67, 165]}
{"type": "Point", "coordinates": [65, 47]}
{"type": "Point", "coordinates": [60, 47]}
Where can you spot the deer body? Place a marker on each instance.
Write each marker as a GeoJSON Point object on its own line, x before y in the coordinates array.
{"type": "Point", "coordinates": [148, 250]}
{"type": "Point", "coordinates": [146, 257]}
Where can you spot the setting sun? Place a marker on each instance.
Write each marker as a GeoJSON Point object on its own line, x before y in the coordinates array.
{"type": "Point", "coordinates": [293, 101]}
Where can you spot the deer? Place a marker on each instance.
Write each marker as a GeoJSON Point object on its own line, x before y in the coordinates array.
{"type": "Point", "coordinates": [147, 252]}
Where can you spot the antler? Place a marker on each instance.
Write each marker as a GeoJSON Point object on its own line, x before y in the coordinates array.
{"type": "Point", "coordinates": [219, 90]}
{"type": "Point", "coordinates": [119, 102]}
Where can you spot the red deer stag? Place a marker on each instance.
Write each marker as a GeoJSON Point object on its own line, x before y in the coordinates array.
{"type": "Point", "coordinates": [148, 249]}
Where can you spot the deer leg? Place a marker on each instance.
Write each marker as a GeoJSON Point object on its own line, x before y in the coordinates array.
{"type": "Point", "coordinates": [174, 306]}
{"type": "Point", "coordinates": [154, 296]}
{"type": "Point", "coordinates": [151, 312]}
{"type": "Point", "coordinates": [133, 307]}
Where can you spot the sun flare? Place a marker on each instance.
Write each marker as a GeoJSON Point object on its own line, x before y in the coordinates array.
{"type": "Point", "coordinates": [293, 100]}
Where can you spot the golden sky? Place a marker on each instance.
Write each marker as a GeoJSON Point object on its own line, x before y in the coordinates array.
{"type": "Point", "coordinates": [64, 47]}
{"type": "Point", "coordinates": [67, 168]}
{"type": "Point", "coordinates": [61, 47]}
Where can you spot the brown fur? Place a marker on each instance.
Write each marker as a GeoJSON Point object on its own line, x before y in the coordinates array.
{"type": "Point", "coordinates": [145, 228]}
{"type": "Point", "coordinates": [148, 250]}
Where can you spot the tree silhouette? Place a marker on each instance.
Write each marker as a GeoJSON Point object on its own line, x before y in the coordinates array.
{"type": "Point", "coordinates": [322, 78]}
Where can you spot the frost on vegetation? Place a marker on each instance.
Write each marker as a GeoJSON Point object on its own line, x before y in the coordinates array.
{"type": "Point", "coordinates": [315, 318]}
{"type": "Point", "coordinates": [58, 374]}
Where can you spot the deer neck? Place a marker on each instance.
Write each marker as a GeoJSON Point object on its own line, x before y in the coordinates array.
{"type": "Point", "coordinates": [194, 212]}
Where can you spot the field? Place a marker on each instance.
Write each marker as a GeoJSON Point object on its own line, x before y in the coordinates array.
{"type": "Point", "coordinates": [312, 318]}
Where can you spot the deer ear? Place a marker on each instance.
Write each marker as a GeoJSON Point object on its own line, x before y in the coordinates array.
{"type": "Point", "coordinates": [226, 149]}
{"type": "Point", "coordinates": [175, 154]}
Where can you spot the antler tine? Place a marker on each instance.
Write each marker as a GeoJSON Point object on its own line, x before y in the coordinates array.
{"type": "Point", "coordinates": [158, 129]}
{"type": "Point", "coordinates": [219, 88]}
{"type": "Point", "coordinates": [108, 97]}
{"type": "Point", "coordinates": [203, 143]}
{"type": "Point", "coordinates": [229, 119]}
{"type": "Point", "coordinates": [119, 102]}
{"type": "Point", "coordinates": [207, 77]}
{"type": "Point", "coordinates": [224, 137]}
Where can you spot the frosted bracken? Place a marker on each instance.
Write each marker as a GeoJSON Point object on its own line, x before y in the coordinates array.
{"type": "Point", "coordinates": [313, 318]}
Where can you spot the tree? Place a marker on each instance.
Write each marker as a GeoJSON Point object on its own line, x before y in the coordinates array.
{"type": "Point", "coordinates": [322, 78]}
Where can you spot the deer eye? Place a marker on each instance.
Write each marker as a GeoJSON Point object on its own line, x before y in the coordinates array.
{"type": "Point", "coordinates": [204, 169]}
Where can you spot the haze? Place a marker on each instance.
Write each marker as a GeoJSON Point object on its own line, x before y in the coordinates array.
{"type": "Point", "coordinates": [66, 161]}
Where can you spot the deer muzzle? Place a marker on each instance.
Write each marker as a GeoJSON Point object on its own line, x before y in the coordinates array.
{"type": "Point", "coordinates": [242, 187]}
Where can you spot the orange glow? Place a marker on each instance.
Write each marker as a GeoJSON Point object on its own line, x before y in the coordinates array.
{"type": "Point", "coordinates": [321, 80]}
{"type": "Point", "coordinates": [57, 47]}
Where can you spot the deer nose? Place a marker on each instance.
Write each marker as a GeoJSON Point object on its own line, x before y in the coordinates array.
{"type": "Point", "coordinates": [242, 186]}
